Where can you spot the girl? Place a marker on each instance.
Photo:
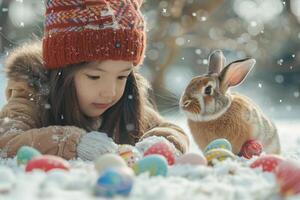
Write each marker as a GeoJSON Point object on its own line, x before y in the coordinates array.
{"type": "Point", "coordinates": [82, 80]}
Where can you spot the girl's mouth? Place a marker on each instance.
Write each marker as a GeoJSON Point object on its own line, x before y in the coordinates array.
{"type": "Point", "coordinates": [101, 105]}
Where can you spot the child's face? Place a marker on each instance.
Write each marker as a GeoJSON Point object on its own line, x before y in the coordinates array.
{"type": "Point", "coordinates": [100, 85]}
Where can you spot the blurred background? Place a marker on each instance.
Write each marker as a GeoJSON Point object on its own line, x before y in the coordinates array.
{"type": "Point", "coordinates": [182, 33]}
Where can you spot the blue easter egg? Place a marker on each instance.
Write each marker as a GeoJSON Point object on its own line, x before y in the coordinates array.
{"type": "Point", "coordinates": [114, 181]}
{"type": "Point", "coordinates": [26, 153]}
{"type": "Point", "coordinates": [154, 164]}
{"type": "Point", "coordinates": [220, 143]}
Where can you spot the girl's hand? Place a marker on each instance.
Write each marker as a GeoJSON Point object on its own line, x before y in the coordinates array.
{"type": "Point", "coordinates": [94, 144]}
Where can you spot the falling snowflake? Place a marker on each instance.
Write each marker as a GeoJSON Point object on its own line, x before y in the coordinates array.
{"type": "Point", "coordinates": [280, 100]}
{"type": "Point", "coordinates": [182, 58]}
{"type": "Point", "coordinates": [130, 96]}
{"type": "Point", "coordinates": [130, 127]}
{"type": "Point", "coordinates": [259, 85]}
{"type": "Point", "coordinates": [296, 94]}
{"type": "Point", "coordinates": [198, 51]}
{"type": "Point", "coordinates": [203, 18]}
{"type": "Point", "coordinates": [280, 61]}
{"type": "Point", "coordinates": [279, 78]}
{"type": "Point", "coordinates": [194, 14]}
{"type": "Point", "coordinates": [293, 56]}
{"type": "Point", "coordinates": [47, 106]}
{"type": "Point", "coordinates": [205, 61]}
{"type": "Point", "coordinates": [288, 108]}
{"type": "Point", "coordinates": [4, 9]}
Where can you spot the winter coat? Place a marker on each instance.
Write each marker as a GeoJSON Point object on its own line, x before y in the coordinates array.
{"type": "Point", "coordinates": [20, 118]}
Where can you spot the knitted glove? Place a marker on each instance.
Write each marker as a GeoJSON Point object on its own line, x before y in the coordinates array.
{"type": "Point", "coordinates": [94, 144]}
{"type": "Point", "coordinates": [147, 142]}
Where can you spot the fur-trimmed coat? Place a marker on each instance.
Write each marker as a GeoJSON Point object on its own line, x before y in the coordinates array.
{"type": "Point", "coordinates": [20, 117]}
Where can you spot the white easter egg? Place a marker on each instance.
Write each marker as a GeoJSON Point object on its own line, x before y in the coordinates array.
{"type": "Point", "coordinates": [107, 161]}
{"type": "Point", "coordinates": [191, 159]}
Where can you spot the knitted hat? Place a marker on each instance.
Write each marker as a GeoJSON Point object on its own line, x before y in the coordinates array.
{"type": "Point", "coordinates": [90, 30]}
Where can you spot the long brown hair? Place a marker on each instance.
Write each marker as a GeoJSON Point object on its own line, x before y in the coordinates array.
{"type": "Point", "coordinates": [123, 121]}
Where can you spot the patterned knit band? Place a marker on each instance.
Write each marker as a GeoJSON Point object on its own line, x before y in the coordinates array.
{"type": "Point", "coordinates": [89, 30]}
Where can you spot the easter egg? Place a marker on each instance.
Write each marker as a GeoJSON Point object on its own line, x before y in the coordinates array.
{"type": "Point", "coordinates": [217, 144]}
{"type": "Point", "coordinates": [26, 153]}
{"type": "Point", "coordinates": [251, 148]}
{"type": "Point", "coordinates": [129, 153]}
{"type": "Point", "coordinates": [46, 163]}
{"type": "Point", "coordinates": [191, 159]}
{"type": "Point", "coordinates": [161, 148]}
{"type": "Point", "coordinates": [218, 154]}
{"type": "Point", "coordinates": [114, 181]}
{"type": "Point", "coordinates": [154, 164]}
{"type": "Point", "coordinates": [288, 178]}
{"type": "Point", "coordinates": [107, 161]}
{"type": "Point", "coordinates": [268, 163]}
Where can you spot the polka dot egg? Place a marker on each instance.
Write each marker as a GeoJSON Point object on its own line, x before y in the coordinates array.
{"type": "Point", "coordinates": [130, 154]}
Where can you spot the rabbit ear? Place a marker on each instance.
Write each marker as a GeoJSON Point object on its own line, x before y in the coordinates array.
{"type": "Point", "coordinates": [216, 62]}
{"type": "Point", "coordinates": [234, 73]}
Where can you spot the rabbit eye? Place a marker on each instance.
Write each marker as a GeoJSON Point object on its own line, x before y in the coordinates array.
{"type": "Point", "coordinates": [208, 90]}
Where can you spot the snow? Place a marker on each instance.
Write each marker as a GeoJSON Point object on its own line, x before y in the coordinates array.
{"type": "Point", "coordinates": [230, 180]}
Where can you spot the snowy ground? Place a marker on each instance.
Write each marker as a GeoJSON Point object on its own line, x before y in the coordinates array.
{"type": "Point", "coordinates": [230, 180]}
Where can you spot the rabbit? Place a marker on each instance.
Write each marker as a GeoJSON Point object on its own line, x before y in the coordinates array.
{"type": "Point", "coordinates": [213, 112]}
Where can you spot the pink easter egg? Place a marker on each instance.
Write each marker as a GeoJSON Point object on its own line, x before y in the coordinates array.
{"type": "Point", "coordinates": [191, 159]}
{"type": "Point", "coordinates": [163, 149]}
{"type": "Point", "coordinates": [268, 163]}
{"type": "Point", "coordinates": [288, 178]}
{"type": "Point", "coordinates": [251, 148]}
{"type": "Point", "coordinates": [46, 163]}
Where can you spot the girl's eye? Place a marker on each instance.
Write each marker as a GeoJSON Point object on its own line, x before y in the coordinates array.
{"type": "Point", "coordinates": [122, 77]}
{"type": "Point", "coordinates": [93, 77]}
{"type": "Point", "coordinates": [208, 90]}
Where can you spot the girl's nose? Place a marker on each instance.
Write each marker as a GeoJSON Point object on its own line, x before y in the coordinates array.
{"type": "Point", "coordinates": [109, 91]}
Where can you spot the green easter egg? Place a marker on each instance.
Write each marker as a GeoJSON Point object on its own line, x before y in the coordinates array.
{"type": "Point", "coordinates": [26, 153]}
{"type": "Point", "coordinates": [154, 164]}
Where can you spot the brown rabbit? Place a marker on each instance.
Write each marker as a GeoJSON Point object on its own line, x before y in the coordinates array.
{"type": "Point", "coordinates": [213, 112]}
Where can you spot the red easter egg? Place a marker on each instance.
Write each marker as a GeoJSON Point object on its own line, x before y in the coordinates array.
{"type": "Point", "coordinates": [46, 163]}
{"type": "Point", "coordinates": [163, 149]}
{"type": "Point", "coordinates": [288, 178]}
{"type": "Point", "coordinates": [267, 162]}
{"type": "Point", "coordinates": [251, 148]}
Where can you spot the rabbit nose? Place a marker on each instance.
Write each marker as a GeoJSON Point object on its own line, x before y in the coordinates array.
{"type": "Point", "coordinates": [186, 103]}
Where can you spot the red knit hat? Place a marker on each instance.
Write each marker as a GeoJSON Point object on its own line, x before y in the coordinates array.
{"type": "Point", "coordinates": [89, 30]}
